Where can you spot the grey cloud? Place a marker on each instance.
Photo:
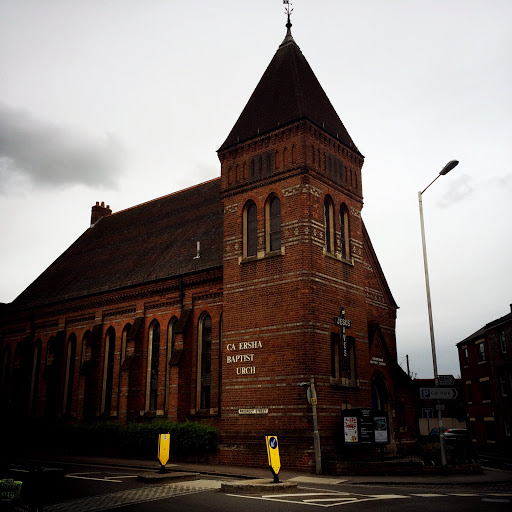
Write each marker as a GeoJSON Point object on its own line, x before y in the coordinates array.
{"type": "Point", "coordinates": [462, 187]}
{"type": "Point", "coordinates": [458, 189]}
{"type": "Point", "coordinates": [50, 155]}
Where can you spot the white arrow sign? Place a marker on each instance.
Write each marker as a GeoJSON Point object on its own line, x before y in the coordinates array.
{"type": "Point", "coordinates": [446, 380]}
{"type": "Point", "coordinates": [438, 393]}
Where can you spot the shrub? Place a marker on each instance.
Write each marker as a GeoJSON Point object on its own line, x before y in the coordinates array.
{"type": "Point", "coordinates": [109, 438]}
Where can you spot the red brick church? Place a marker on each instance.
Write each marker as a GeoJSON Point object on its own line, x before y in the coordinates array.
{"type": "Point", "coordinates": [223, 302]}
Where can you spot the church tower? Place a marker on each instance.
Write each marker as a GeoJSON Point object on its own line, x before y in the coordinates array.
{"type": "Point", "coordinates": [293, 256]}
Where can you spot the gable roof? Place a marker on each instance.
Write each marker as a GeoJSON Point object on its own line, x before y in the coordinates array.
{"type": "Point", "coordinates": [151, 241]}
{"type": "Point", "coordinates": [376, 265]}
{"type": "Point", "coordinates": [481, 333]}
{"type": "Point", "coordinates": [287, 92]}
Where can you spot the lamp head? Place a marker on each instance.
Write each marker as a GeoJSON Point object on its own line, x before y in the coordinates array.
{"type": "Point", "coordinates": [448, 167]}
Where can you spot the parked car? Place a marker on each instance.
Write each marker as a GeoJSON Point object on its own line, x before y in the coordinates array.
{"type": "Point", "coordinates": [456, 433]}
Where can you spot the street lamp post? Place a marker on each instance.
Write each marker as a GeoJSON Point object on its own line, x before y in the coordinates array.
{"type": "Point", "coordinates": [446, 169]}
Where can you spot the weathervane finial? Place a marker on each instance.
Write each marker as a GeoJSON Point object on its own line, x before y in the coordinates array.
{"type": "Point", "coordinates": [288, 11]}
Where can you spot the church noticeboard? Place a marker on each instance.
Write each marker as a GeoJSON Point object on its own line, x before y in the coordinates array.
{"type": "Point", "coordinates": [365, 426]}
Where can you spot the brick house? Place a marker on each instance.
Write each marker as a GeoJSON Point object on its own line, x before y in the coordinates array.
{"type": "Point", "coordinates": [217, 303]}
{"type": "Point", "coordinates": [485, 360]}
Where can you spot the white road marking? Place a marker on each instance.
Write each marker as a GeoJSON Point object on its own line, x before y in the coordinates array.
{"type": "Point", "coordinates": [495, 500]}
{"type": "Point", "coordinates": [93, 478]}
{"type": "Point", "coordinates": [317, 480]}
{"type": "Point", "coordinates": [427, 495]}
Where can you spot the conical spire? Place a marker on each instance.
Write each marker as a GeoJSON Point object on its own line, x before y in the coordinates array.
{"type": "Point", "coordinates": [287, 92]}
{"type": "Point", "coordinates": [288, 38]}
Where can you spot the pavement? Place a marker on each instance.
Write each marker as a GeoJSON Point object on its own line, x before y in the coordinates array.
{"type": "Point", "coordinates": [262, 476]}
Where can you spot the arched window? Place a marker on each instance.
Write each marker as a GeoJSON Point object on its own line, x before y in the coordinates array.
{"type": "Point", "coordinates": [108, 371]}
{"type": "Point", "coordinates": [204, 362]}
{"type": "Point", "coordinates": [170, 349]}
{"type": "Point", "coordinates": [51, 404]}
{"type": "Point", "coordinates": [153, 366]}
{"type": "Point", "coordinates": [69, 375]}
{"type": "Point", "coordinates": [380, 392]}
{"type": "Point", "coordinates": [343, 358]}
{"type": "Point", "coordinates": [329, 225]}
{"type": "Point", "coordinates": [250, 234]}
{"type": "Point", "coordinates": [344, 232]}
{"type": "Point", "coordinates": [4, 377]}
{"type": "Point", "coordinates": [124, 339]}
{"type": "Point", "coordinates": [34, 381]}
{"type": "Point", "coordinates": [273, 224]}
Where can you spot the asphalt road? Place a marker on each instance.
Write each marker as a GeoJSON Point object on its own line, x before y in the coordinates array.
{"type": "Point", "coordinates": [94, 488]}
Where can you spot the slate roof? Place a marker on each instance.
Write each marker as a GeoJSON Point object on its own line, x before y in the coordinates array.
{"type": "Point", "coordinates": [154, 240]}
{"type": "Point", "coordinates": [287, 92]}
{"type": "Point", "coordinates": [487, 327]}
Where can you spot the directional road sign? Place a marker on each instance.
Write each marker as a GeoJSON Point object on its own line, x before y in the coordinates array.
{"type": "Point", "coordinates": [446, 380]}
{"type": "Point", "coordinates": [438, 393]}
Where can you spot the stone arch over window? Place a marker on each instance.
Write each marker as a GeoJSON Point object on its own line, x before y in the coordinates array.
{"type": "Point", "coordinates": [153, 368]}
{"type": "Point", "coordinates": [273, 224]}
{"type": "Point", "coordinates": [34, 380]}
{"type": "Point", "coordinates": [204, 362]}
{"type": "Point", "coordinates": [329, 224]}
{"type": "Point", "coordinates": [69, 376]}
{"type": "Point", "coordinates": [344, 231]}
{"type": "Point", "coordinates": [250, 229]}
{"type": "Point", "coordinates": [171, 338]}
{"type": "Point", "coordinates": [108, 371]}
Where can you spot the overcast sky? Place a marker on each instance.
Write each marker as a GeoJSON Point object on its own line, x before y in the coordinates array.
{"type": "Point", "coordinates": [123, 101]}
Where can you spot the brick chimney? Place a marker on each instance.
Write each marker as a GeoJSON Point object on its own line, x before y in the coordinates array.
{"type": "Point", "coordinates": [99, 211]}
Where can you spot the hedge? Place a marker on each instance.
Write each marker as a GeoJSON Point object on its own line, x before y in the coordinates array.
{"type": "Point", "coordinates": [108, 438]}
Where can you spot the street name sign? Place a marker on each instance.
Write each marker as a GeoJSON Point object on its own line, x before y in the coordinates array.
{"type": "Point", "coordinates": [446, 380]}
{"type": "Point", "coordinates": [438, 393]}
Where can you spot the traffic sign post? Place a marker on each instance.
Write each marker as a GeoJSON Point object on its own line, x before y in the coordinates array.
{"type": "Point", "coordinates": [438, 393]}
{"type": "Point", "coordinates": [446, 380]}
{"type": "Point", "coordinates": [273, 456]}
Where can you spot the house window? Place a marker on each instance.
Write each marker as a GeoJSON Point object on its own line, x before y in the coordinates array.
{"type": "Point", "coordinates": [329, 225]}
{"type": "Point", "coordinates": [503, 385]}
{"type": "Point", "coordinates": [486, 390]}
{"type": "Point", "coordinates": [108, 370]}
{"type": "Point", "coordinates": [481, 352]}
{"type": "Point", "coordinates": [153, 366]}
{"type": "Point", "coordinates": [70, 375]}
{"type": "Point", "coordinates": [490, 431]}
{"type": "Point", "coordinates": [250, 234]}
{"type": "Point", "coordinates": [273, 224]}
{"type": "Point", "coordinates": [503, 343]}
{"type": "Point", "coordinates": [204, 362]}
{"type": "Point", "coordinates": [469, 392]}
{"type": "Point", "coordinates": [344, 232]}
{"type": "Point", "coordinates": [466, 356]}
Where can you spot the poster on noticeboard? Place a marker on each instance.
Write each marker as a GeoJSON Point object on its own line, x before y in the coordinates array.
{"type": "Point", "coordinates": [351, 429]}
